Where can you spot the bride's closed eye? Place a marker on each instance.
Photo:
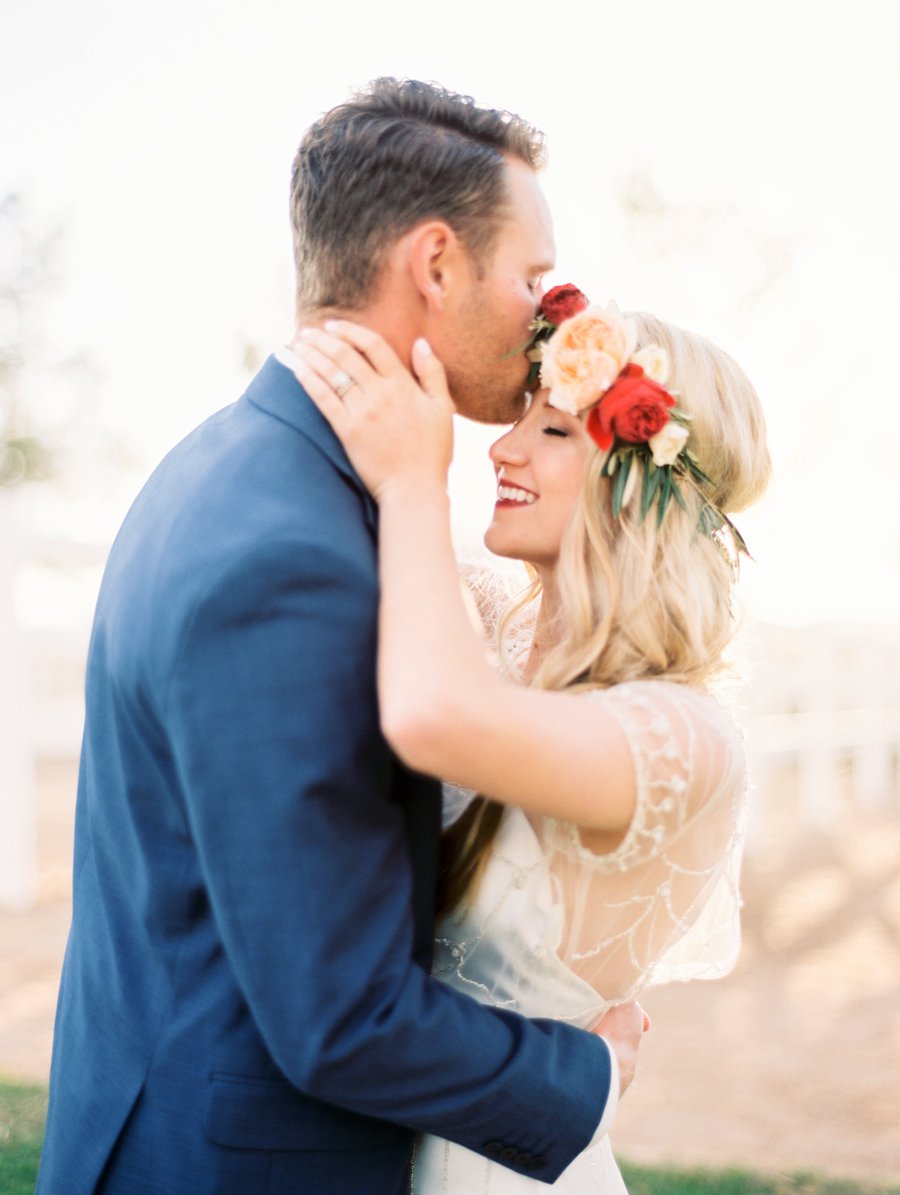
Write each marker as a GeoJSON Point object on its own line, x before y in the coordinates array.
{"type": "Point", "coordinates": [555, 431]}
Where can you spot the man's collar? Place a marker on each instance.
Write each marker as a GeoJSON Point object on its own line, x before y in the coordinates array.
{"type": "Point", "coordinates": [276, 391]}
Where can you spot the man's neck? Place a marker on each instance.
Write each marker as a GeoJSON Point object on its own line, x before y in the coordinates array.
{"type": "Point", "coordinates": [389, 321]}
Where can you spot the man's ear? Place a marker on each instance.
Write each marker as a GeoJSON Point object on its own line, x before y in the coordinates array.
{"type": "Point", "coordinates": [437, 262]}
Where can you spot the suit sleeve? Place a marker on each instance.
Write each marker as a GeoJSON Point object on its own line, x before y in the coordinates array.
{"type": "Point", "coordinates": [287, 783]}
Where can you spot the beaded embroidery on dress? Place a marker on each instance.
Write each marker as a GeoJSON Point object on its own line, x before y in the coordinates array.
{"type": "Point", "coordinates": [559, 929]}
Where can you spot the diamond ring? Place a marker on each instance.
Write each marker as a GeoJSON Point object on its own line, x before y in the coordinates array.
{"type": "Point", "coordinates": [342, 383]}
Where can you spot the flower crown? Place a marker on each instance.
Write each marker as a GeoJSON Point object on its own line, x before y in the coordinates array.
{"type": "Point", "coordinates": [586, 357]}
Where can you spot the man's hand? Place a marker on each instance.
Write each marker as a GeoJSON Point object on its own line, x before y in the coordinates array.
{"type": "Point", "coordinates": [623, 1026]}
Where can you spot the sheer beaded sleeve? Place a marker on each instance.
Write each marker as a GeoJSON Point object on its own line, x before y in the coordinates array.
{"type": "Point", "coordinates": [663, 904]}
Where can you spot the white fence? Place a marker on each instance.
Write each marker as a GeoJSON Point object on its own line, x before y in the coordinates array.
{"type": "Point", "coordinates": [822, 717]}
{"type": "Point", "coordinates": [41, 677]}
{"type": "Point", "coordinates": [821, 713]}
{"type": "Point", "coordinates": [18, 819]}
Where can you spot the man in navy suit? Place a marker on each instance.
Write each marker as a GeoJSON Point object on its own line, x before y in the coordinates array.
{"type": "Point", "coordinates": [246, 1005]}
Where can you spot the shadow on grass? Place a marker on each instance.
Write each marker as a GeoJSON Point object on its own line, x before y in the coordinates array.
{"type": "Point", "coordinates": [23, 1109]}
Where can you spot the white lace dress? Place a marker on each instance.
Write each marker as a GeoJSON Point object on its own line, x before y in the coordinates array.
{"type": "Point", "coordinates": [559, 929]}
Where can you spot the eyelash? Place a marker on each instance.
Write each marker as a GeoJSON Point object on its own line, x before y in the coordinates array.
{"type": "Point", "coordinates": [555, 431]}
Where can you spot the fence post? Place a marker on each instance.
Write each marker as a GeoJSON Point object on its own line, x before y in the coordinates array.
{"type": "Point", "coordinates": [18, 813]}
{"type": "Point", "coordinates": [819, 777]}
{"type": "Point", "coordinates": [873, 756]}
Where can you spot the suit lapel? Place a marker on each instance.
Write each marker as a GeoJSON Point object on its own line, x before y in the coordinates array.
{"type": "Point", "coordinates": [276, 391]}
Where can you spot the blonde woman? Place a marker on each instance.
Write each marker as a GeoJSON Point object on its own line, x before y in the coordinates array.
{"type": "Point", "coordinates": [601, 853]}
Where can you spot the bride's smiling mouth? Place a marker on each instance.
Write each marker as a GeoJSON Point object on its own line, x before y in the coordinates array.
{"type": "Point", "coordinates": [514, 495]}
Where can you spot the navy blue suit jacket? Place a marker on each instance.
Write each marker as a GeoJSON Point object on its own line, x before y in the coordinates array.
{"type": "Point", "coordinates": [246, 1005]}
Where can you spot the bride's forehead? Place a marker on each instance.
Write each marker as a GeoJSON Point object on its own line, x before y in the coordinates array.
{"type": "Point", "coordinates": [536, 398]}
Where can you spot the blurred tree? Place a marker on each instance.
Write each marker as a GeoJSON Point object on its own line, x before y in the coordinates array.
{"type": "Point", "coordinates": [49, 421]}
{"type": "Point", "coordinates": [25, 273]}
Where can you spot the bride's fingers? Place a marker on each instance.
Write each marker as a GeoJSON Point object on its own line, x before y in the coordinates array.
{"type": "Point", "coordinates": [331, 372]}
{"type": "Point", "coordinates": [344, 357]}
{"type": "Point", "coordinates": [375, 348]}
{"type": "Point", "coordinates": [430, 373]}
{"type": "Point", "coordinates": [322, 393]}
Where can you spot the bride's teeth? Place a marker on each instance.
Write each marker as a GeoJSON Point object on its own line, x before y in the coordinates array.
{"type": "Point", "coordinates": [511, 493]}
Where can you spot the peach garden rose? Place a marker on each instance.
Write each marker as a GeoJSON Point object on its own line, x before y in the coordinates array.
{"type": "Point", "coordinates": [585, 356]}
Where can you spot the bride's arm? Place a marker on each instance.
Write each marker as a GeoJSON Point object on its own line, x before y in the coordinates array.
{"type": "Point", "coordinates": [444, 709]}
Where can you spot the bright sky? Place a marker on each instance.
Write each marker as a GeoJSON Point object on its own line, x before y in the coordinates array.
{"type": "Point", "coordinates": [160, 136]}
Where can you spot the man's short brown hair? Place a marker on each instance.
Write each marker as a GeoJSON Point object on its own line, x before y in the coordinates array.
{"type": "Point", "coordinates": [397, 153]}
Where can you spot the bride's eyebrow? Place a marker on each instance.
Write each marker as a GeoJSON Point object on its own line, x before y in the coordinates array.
{"type": "Point", "coordinates": [564, 416]}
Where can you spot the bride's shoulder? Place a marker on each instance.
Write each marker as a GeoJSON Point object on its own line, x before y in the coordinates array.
{"type": "Point", "coordinates": [690, 721]}
{"type": "Point", "coordinates": [656, 693]}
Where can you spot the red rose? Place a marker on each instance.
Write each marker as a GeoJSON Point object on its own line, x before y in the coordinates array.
{"type": "Point", "coordinates": [562, 302]}
{"type": "Point", "coordinates": [634, 408]}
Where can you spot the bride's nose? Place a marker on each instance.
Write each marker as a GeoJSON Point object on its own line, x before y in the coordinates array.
{"type": "Point", "coordinates": [508, 450]}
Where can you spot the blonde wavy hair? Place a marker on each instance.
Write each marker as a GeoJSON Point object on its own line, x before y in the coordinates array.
{"type": "Point", "coordinates": [636, 599]}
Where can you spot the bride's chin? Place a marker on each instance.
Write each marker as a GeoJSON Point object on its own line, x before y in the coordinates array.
{"type": "Point", "coordinates": [499, 545]}
{"type": "Point", "coordinates": [493, 542]}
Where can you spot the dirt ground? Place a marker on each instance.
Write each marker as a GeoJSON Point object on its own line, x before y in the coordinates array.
{"type": "Point", "coordinates": [791, 1063]}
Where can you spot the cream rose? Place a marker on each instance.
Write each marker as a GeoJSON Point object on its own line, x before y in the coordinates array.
{"type": "Point", "coordinates": [655, 363]}
{"type": "Point", "coordinates": [585, 356]}
{"type": "Point", "coordinates": [667, 444]}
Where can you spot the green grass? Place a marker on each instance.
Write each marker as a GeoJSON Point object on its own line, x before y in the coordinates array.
{"type": "Point", "coordinates": [643, 1181]}
{"type": "Point", "coordinates": [22, 1111]}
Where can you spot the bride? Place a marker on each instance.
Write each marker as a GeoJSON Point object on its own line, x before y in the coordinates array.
{"type": "Point", "coordinates": [601, 852]}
